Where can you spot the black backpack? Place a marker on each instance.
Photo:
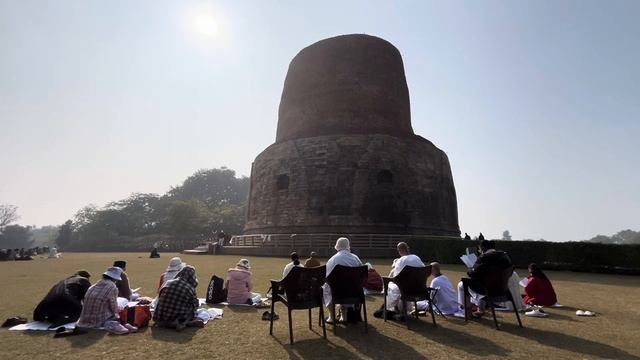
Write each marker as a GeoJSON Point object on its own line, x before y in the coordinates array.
{"type": "Point", "coordinates": [216, 292]}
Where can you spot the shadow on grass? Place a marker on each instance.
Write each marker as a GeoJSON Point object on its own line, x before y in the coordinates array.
{"type": "Point", "coordinates": [244, 309]}
{"type": "Point", "coordinates": [77, 341]}
{"type": "Point", "coordinates": [471, 344]}
{"type": "Point", "coordinates": [376, 345]}
{"type": "Point", "coordinates": [569, 343]}
{"type": "Point", "coordinates": [320, 349]}
{"type": "Point", "coordinates": [373, 345]}
{"type": "Point", "coordinates": [555, 316]}
{"type": "Point", "coordinates": [171, 335]}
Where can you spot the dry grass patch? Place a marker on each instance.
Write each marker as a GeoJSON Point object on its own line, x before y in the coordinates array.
{"type": "Point", "coordinates": [614, 333]}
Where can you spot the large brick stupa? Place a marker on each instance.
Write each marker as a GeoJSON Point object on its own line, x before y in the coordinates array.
{"type": "Point", "coordinates": [346, 159]}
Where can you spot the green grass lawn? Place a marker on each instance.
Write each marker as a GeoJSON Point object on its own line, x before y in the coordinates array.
{"type": "Point", "coordinates": [241, 334]}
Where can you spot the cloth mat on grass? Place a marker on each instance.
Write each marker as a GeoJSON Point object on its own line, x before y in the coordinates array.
{"type": "Point", "coordinates": [202, 302]}
{"type": "Point", "coordinates": [40, 326]}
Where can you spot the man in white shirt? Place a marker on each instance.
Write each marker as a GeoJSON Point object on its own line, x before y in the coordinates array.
{"type": "Point", "coordinates": [446, 299]}
{"type": "Point", "coordinates": [405, 259]}
{"type": "Point", "coordinates": [343, 257]}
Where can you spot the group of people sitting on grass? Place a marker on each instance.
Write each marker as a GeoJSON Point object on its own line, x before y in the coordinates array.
{"type": "Point", "coordinates": [177, 306]}
{"type": "Point", "coordinates": [28, 254]}
{"type": "Point", "coordinates": [22, 253]}
{"type": "Point", "coordinates": [92, 306]}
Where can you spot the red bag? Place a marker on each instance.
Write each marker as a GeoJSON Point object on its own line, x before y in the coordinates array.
{"type": "Point", "coordinates": [137, 316]}
{"type": "Point", "coordinates": [374, 281]}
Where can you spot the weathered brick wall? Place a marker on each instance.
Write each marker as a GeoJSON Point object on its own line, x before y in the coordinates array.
{"type": "Point", "coordinates": [350, 84]}
{"type": "Point", "coordinates": [334, 186]}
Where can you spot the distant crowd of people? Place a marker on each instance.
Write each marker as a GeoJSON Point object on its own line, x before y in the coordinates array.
{"type": "Point", "coordinates": [24, 254]}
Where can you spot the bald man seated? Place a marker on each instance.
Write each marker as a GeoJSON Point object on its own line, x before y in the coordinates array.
{"type": "Point", "coordinates": [446, 299]}
{"type": "Point", "coordinates": [406, 259]}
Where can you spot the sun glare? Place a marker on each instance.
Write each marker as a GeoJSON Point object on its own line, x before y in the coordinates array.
{"type": "Point", "coordinates": [205, 24]}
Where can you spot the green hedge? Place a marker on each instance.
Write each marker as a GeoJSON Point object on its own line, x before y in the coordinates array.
{"type": "Point", "coordinates": [573, 256]}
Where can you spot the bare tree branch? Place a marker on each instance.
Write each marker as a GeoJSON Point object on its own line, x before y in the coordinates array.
{"type": "Point", "coordinates": [8, 214]}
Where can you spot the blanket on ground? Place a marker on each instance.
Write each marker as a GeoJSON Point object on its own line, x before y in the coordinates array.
{"type": "Point", "coordinates": [40, 326]}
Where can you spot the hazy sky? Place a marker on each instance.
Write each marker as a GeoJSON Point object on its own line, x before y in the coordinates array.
{"type": "Point", "coordinates": [537, 103]}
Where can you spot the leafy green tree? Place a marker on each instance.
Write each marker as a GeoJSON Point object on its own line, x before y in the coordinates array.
{"type": "Point", "coordinates": [626, 237]}
{"type": "Point", "coordinates": [506, 235]}
{"type": "Point", "coordinates": [601, 239]}
{"type": "Point", "coordinates": [65, 234]}
{"type": "Point", "coordinates": [84, 216]}
{"type": "Point", "coordinates": [15, 237]}
{"type": "Point", "coordinates": [230, 218]}
{"type": "Point", "coordinates": [213, 187]}
{"type": "Point", "coordinates": [189, 218]}
{"type": "Point", "coordinates": [207, 202]}
{"type": "Point", "coordinates": [140, 212]}
{"type": "Point", "coordinates": [621, 237]}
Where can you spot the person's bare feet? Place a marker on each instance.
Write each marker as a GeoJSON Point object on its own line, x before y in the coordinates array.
{"type": "Point", "coordinates": [131, 328]}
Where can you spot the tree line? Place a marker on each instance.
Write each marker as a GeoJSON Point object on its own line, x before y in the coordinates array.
{"type": "Point", "coordinates": [207, 203]}
{"type": "Point", "coordinates": [621, 237]}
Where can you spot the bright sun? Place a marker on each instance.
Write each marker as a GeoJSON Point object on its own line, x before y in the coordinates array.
{"type": "Point", "coordinates": [205, 24]}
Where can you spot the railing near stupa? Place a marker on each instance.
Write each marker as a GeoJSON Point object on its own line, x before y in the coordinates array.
{"type": "Point", "coordinates": [322, 241]}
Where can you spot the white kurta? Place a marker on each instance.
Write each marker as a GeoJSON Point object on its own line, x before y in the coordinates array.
{"type": "Point", "coordinates": [407, 260]}
{"type": "Point", "coordinates": [344, 258]}
{"type": "Point", "coordinates": [446, 298]}
{"type": "Point", "coordinates": [393, 293]}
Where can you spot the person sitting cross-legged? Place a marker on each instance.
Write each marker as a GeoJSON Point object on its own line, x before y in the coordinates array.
{"type": "Point", "coordinates": [445, 299]}
{"type": "Point", "coordinates": [63, 303]}
{"type": "Point", "coordinates": [539, 290]}
{"type": "Point", "coordinates": [240, 286]}
{"type": "Point", "coordinates": [175, 265]}
{"type": "Point", "coordinates": [100, 306]}
{"type": "Point", "coordinates": [177, 305]}
{"type": "Point", "coordinates": [124, 289]}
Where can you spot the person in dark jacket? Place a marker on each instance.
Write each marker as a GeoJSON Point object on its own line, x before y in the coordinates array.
{"type": "Point", "coordinates": [490, 262]}
{"type": "Point", "coordinates": [63, 303]}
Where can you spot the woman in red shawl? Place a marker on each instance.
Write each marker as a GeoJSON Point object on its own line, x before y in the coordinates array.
{"type": "Point", "coordinates": [539, 290]}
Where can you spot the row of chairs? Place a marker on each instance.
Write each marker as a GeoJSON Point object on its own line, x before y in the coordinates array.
{"type": "Point", "coordinates": [301, 289]}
